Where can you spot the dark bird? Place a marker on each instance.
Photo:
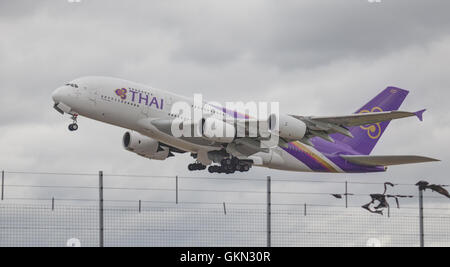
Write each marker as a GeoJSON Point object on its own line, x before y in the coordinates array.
{"type": "Point", "coordinates": [382, 200]}
{"type": "Point", "coordinates": [340, 196]}
{"type": "Point", "coordinates": [367, 207]}
{"type": "Point", "coordinates": [439, 189]}
{"type": "Point", "coordinates": [385, 186]}
{"type": "Point", "coordinates": [423, 185]}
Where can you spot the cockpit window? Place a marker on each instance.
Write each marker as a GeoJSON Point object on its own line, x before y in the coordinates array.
{"type": "Point", "coordinates": [72, 85]}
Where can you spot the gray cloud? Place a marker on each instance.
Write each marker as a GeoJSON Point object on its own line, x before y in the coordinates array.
{"type": "Point", "coordinates": [308, 33]}
{"type": "Point", "coordinates": [314, 57]}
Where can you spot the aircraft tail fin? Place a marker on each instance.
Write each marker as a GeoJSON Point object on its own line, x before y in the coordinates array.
{"type": "Point", "coordinates": [366, 137]}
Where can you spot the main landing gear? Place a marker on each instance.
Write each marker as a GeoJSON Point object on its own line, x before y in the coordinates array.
{"type": "Point", "coordinates": [196, 167]}
{"type": "Point", "coordinates": [74, 125]}
{"type": "Point", "coordinates": [230, 165]}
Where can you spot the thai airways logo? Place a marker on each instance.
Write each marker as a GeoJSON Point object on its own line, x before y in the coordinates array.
{"type": "Point", "coordinates": [140, 97]}
{"type": "Point", "coordinates": [373, 130]}
{"type": "Point", "coordinates": [122, 93]}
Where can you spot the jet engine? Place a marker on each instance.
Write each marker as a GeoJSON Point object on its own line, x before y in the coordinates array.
{"type": "Point", "coordinates": [287, 127]}
{"type": "Point", "coordinates": [145, 146]}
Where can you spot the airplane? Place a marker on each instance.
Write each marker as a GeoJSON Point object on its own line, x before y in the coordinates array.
{"type": "Point", "coordinates": [334, 144]}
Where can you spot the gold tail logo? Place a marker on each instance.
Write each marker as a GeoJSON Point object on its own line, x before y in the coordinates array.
{"type": "Point", "coordinates": [373, 130]}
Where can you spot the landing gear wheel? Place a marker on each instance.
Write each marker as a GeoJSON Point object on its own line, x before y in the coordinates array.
{"type": "Point", "coordinates": [73, 127]}
{"type": "Point", "coordinates": [230, 165]}
{"type": "Point", "coordinates": [231, 168]}
{"type": "Point", "coordinates": [196, 167]}
{"type": "Point", "coordinates": [211, 169]}
{"type": "Point", "coordinates": [220, 169]}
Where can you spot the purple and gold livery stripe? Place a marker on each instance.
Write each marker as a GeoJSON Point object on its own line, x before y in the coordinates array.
{"type": "Point", "coordinates": [311, 154]}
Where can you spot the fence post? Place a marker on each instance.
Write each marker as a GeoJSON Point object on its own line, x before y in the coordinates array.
{"type": "Point", "coordinates": [3, 182]}
{"type": "Point", "coordinates": [269, 213]}
{"type": "Point", "coordinates": [422, 237]}
{"type": "Point", "coordinates": [100, 178]}
{"type": "Point", "coordinates": [346, 194]}
{"type": "Point", "coordinates": [176, 189]}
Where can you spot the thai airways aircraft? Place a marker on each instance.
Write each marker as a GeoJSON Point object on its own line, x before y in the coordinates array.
{"type": "Point", "coordinates": [340, 144]}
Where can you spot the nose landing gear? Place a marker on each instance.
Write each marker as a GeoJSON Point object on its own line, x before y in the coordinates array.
{"type": "Point", "coordinates": [74, 125]}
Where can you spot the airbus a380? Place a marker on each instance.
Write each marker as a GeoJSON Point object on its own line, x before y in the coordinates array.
{"type": "Point", "coordinates": [338, 144]}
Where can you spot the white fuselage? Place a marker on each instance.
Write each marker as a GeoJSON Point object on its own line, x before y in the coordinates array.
{"type": "Point", "coordinates": [97, 98]}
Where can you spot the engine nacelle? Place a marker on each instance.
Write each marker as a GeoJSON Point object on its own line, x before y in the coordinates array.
{"type": "Point", "coordinates": [218, 131]}
{"type": "Point", "coordinates": [144, 146]}
{"type": "Point", "coordinates": [287, 127]}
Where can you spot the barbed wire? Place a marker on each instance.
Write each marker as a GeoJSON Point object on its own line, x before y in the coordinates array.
{"type": "Point", "coordinates": [204, 190]}
{"type": "Point", "coordinates": [274, 178]}
{"type": "Point", "coordinates": [193, 190]}
{"type": "Point", "coordinates": [206, 203]}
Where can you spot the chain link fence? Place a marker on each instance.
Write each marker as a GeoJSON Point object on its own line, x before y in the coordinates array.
{"type": "Point", "coordinates": [39, 225]}
{"type": "Point", "coordinates": [75, 220]}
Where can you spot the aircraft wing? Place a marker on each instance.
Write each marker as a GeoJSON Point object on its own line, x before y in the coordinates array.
{"type": "Point", "coordinates": [385, 160]}
{"type": "Point", "coordinates": [323, 126]}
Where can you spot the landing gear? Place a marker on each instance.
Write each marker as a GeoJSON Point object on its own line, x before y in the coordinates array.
{"type": "Point", "coordinates": [196, 167]}
{"type": "Point", "coordinates": [215, 169]}
{"type": "Point", "coordinates": [230, 165]}
{"type": "Point", "coordinates": [74, 125]}
{"type": "Point", "coordinates": [243, 168]}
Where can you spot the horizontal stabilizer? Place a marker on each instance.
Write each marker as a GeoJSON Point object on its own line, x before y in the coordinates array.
{"type": "Point", "coordinates": [385, 160]}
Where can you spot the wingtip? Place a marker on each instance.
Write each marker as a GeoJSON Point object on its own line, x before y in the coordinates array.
{"type": "Point", "coordinates": [431, 159]}
{"type": "Point", "coordinates": [419, 114]}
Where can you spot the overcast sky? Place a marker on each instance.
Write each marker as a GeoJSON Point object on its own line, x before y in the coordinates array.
{"type": "Point", "coordinates": [318, 57]}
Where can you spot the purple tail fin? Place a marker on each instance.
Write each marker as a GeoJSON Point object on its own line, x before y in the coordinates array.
{"type": "Point", "coordinates": [366, 136]}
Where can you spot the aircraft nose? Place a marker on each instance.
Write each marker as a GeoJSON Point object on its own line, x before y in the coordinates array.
{"type": "Point", "coordinates": [58, 95]}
